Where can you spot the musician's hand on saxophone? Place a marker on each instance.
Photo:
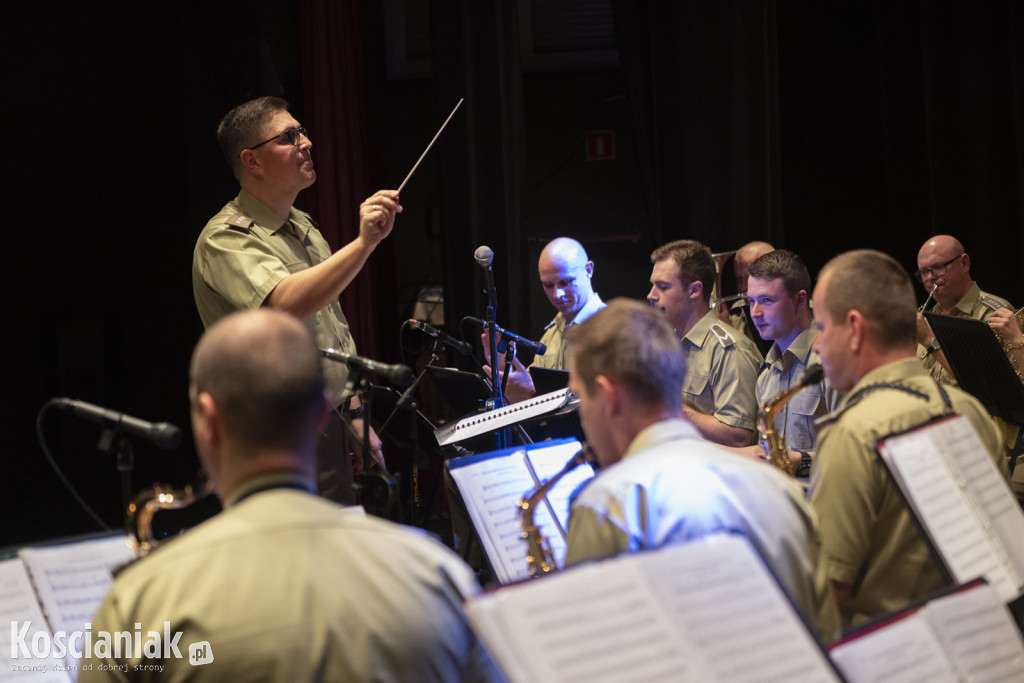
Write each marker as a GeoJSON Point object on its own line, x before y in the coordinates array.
{"type": "Point", "coordinates": [757, 452]}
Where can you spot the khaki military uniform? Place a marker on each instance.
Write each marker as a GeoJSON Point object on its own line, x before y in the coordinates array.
{"type": "Point", "coordinates": [975, 304]}
{"type": "Point", "coordinates": [285, 586]}
{"type": "Point", "coordinates": [241, 256]}
{"type": "Point", "coordinates": [672, 486]}
{"type": "Point", "coordinates": [721, 372]}
{"type": "Point", "coordinates": [556, 356]}
{"type": "Point", "coordinates": [795, 421]}
{"type": "Point", "coordinates": [979, 305]}
{"type": "Point", "coordinates": [870, 537]}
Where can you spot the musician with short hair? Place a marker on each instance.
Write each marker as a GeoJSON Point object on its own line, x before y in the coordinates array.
{"type": "Point", "coordinates": [779, 291]}
{"type": "Point", "coordinates": [721, 363]}
{"type": "Point", "coordinates": [259, 250]}
{"type": "Point", "coordinates": [865, 312]}
{"type": "Point", "coordinates": [944, 269]}
{"type": "Point", "coordinates": [566, 274]}
{"type": "Point", "coordinates": [659, 481]}
{"type": "Point", "coordinates": [284, 585]}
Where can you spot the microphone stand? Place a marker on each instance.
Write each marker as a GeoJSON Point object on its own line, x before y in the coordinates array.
{"type": "Point", "coordinates": [377, 492]}
{"type": "Point", "coordinates": [113, 442]}
{"type": "Point", "coordinates": [497, 387]}
{"type": "Point", "coordinates": [407, 403]}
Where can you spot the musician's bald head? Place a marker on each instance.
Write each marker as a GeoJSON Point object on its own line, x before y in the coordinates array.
{"type": "Point", "coordinates": [945, 266]}
{"type": "Point", "coordinates": [261, 372]}
{"type": "Point", "coordinates": [745, 255]}
{"type": "Point", "coordinates": [565, 273]}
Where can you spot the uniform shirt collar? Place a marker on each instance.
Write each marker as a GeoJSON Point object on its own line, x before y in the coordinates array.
{"type": "Point", "coordinates": [661, 432]}
{"type": "Point", "coordinates": [265, 482]}
{"type": "Point", "coordinates": [267, 219]}
{"type": "Point", "coordinates": [699, 332]}
{"type": "Point", "coordinates": [797, 352]}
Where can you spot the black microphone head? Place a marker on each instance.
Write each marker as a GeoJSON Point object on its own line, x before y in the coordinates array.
{"type": "Point", "coordinates": [165, 435]}
{"type": "Point", "coordinates": [812, 375]}
{"type": "Point", "coordinates": [402, 375]}
{"type": "Point", "coordinates": [483, 256]}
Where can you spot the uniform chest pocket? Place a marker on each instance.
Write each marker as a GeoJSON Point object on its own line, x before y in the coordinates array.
{"type": "Point", "coordinates": [806, 403]}
{"type": "Point", "coordinates": [695, 383]}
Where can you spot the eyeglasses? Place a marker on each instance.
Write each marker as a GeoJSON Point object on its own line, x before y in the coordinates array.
{"type": "Point", "coordinates": [295, 135]}
{"type": "Point", "coordinates": [937, 270]}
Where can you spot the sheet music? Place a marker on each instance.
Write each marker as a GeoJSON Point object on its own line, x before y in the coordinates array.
{"type": "Point", "coordinates": [967, 635]}
{"type": "Point", "coordinates": [596, 622]}
{"type": "Point", "coordinates": [546, 463]}
{"type": "Point", "coordinates": [19, 605]}
{"type": "Point", "coordinates": [728, 606]}
{"type": "Point", "coordinates": [938, 495]}
{"type": "Point", "coordinates": [978, 634]}
{"type": "Point", "coordinates": [489, 422]}
{"type": "Point", "coordinates": [989, 490]}
{"type": "Point", "coordinates": [492, 489]}
{"type": "Point", "coordinates": [702, 611]}
{"type": "Point", "coordinates": [905, 651]}
{"type": "Point", "coordinates": [72, 579]}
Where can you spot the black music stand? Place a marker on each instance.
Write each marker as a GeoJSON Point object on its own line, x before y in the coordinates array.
{"type": "Point", "coordinates": [546, 380]}
{"type": "Point", "coordinates": [463, 392]}
{"type": "Point", "coordinates": [980, 365]}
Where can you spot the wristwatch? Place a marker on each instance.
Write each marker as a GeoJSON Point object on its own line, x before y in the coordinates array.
{"type": "Point", "coordinates": [804, 470]}
{"type": "Point", "coordinates": [933, 346]}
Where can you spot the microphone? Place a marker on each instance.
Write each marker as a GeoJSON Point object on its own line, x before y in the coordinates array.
{"type": "Point", "coordinates": [460, 346]}
{"type": "Point", "coordinates": [162, 434]}
{"type": "Point", "coordinates": [537, 348]}
{"type": "Point", "coordinates": [396, 374]}
{"type": "Point", "coordinates": [484, 256]}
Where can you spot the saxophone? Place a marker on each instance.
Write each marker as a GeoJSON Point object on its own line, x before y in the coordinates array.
{"type": "Point", "coordinates": [539, 558]}
{"type": "Point", "coordinates": [144, 507]}
{"type": "Point", "coordinates": [771, 440]}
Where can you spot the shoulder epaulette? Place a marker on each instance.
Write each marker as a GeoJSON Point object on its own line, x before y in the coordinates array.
{"type": "Point", "coordinates": [723, 335]}
{"type": "Point", "coordinates": [240, 222]}
{"type": "Point", "coordinates": [991, 301]}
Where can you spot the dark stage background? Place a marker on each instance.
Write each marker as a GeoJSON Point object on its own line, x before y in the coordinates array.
{"type": "Point", "coordinates": [820, 127]}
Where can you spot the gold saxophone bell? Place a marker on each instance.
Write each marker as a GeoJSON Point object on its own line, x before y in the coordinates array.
{"type": "Point", "coordinates": [147, 503]}
{"type": "Point", "coordinates": [774, 443]}
{"type": "Point", "coordinates": [539, 558]}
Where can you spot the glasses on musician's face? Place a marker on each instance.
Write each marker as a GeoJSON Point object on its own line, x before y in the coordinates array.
{"type": "Point", "coordinates": [294, 136]}
{"type": "Point", "coordinates": [938, 270]}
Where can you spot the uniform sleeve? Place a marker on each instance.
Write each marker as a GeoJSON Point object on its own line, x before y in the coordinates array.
{"type": "Point", "coordinates": [593, 533]}
{"type": "Point", "coordinates": [734, 378]}
{"type": "Point", "coordinates": [240, 267]}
